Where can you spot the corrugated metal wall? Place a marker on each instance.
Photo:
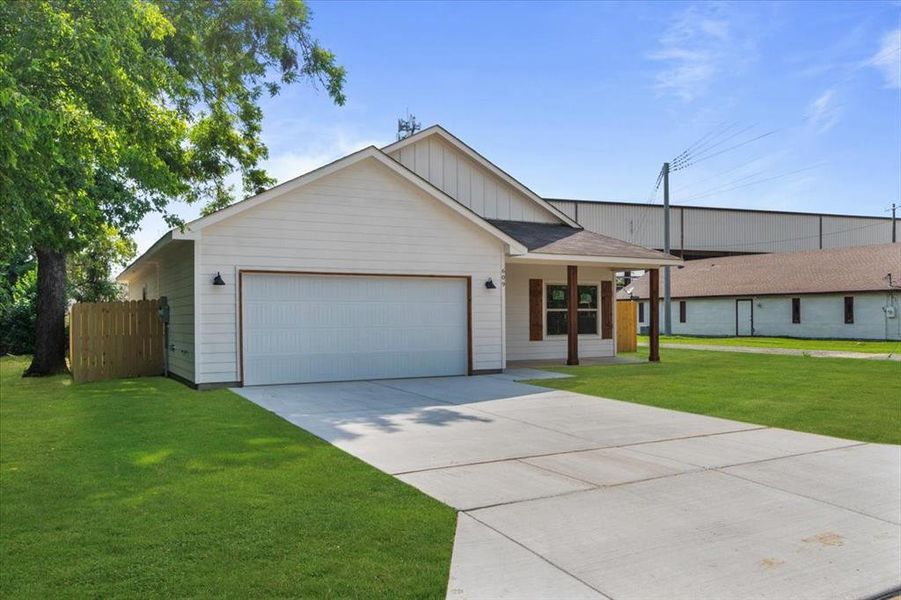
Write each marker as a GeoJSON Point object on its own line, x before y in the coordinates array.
{"type": "Point", "coordinates": [724, 230]}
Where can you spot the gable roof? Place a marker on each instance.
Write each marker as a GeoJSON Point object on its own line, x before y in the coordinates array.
{"type": "Point", "coordinates": [550, 238]}
{"type": "Point", "coordinates": [371, 152]}
{"type": "Point", "coordinates": [485, 163]}
{"type": "Point", "coordinates": [562, 241]}
{"type": "Point", "coordinates": [858, 269]}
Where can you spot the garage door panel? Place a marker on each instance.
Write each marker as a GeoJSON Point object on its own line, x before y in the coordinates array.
{"type": "Point", "coordinates": [300, 328]}
{"type": "Point", "coordinates": [276, 369]}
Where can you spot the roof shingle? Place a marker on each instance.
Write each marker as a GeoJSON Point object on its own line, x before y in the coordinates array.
{"type": "Point", "coordinates": [858, 269]}
{"type": "Point", "coordinates": [552, 238]}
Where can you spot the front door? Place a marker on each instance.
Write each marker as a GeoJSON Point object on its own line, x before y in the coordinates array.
{"type": "Point", "coordinates": [744, 317]}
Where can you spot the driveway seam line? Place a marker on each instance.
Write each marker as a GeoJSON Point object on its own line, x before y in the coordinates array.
{"type": "Point", "coordinates": [469, 405]}
{"type": "Point", "coordinates": [549, 470]}
{"type": "Point", "coordinates": [579, 450]}
{"type": "Point", "coordinates": [595, 487]}
{"type": "Point", "coordinates": [820, 500]}
{"type": "Point", "coordinates": [396, 389]}
{"type": "Point", "coordinates": [543, 558]}
{"type": "Point", "coordinates": [752, 426]}
{"type": "Point", "coordinates": [752, 462]}
{"type": "Point", "coordinates": [601, 486]}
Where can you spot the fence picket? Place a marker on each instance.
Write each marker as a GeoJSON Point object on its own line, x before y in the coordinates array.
{"type": "Point", "coordinates": [111, 340]}
{"type": "Point", "coordinates": [626, 323]}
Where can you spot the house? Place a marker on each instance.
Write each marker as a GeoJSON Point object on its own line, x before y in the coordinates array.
{"type": "Point", "coordinates": [421, 258]}
{"type": "Point", "coordinates": [852, 293]}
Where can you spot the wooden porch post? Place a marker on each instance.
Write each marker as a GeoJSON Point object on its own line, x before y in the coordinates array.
{"type": "Point", "coordinates": [572, 314]}
{"type": "Point", "coordinates": [653, 305]}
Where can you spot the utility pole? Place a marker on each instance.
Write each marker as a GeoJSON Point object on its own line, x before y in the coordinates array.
{"type": "Point", "coordinates": [667, 316]}
{"type": "Point", "coordinates": [894, 229]}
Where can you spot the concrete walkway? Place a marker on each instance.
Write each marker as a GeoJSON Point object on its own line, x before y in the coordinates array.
{"type": "Point", "coordinates": [786, 351]}
{"type": "Point", "coordinates": [564, 495]}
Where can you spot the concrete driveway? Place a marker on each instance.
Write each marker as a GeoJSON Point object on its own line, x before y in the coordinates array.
{"type": "Point", "coordinates": [564, 495]}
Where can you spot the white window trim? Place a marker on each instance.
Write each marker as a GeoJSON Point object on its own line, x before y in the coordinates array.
{"type": "Point", "coordinates": [557, 336]}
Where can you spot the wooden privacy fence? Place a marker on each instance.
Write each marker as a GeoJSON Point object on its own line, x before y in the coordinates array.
{"type": "Point", "coordinates": [626, 326]}
{"type": "Point", "coordinates": [109, 340]}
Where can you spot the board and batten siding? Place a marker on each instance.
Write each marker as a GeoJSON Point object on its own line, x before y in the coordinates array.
{"type": "Point", "coordinates": [822, 316]}
{"type": "Point", "coordinates": [468, 182]}
{"type": "Point", "coordinates": [519, 347]}
{"type": "Point", "coordinates": [172, 276]}
{"type": "Point", "coordinates": [361, 219]}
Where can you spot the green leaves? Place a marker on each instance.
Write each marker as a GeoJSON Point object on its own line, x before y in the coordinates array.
{"type": "Point", "coordinates": [110, 109]}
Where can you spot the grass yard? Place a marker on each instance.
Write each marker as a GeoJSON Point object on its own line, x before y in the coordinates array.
{"type": "Point", "coordinates": [854, 399]}
{"type": "Point", "coordinates": [873, 347]}
{"type": "Point", "coordinates": [145, 487]}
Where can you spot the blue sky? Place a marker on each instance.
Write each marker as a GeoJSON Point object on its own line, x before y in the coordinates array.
{"type": "Point", "coordinates": [586, 100]}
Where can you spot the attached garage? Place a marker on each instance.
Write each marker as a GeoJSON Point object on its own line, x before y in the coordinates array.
{"type": "Point", "coordinates": [301, 327]}
{"type": "Point", "coordinates": [383, 264]}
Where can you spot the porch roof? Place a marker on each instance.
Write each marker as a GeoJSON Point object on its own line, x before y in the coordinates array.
{"type": "Point", "coordinates": [563, 240]}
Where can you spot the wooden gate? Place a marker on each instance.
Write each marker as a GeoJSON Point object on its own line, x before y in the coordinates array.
{"type": "Point", "coordinates": [626, 326]}
{"type": "Point", "coordinates": [109, 340]}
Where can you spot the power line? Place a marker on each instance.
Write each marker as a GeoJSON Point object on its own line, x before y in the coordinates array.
{"type": "Point", "coordinates": [719, 187]}
{"type": "Point", "coordinates": [721, 173]}
{"type": "Point", "coordinates": [710, 146]}
{"type": "Point", "coordinates": [652, 195]}
{"type": "Point", "coordinates": [712, 133]}
{"type": "Point", "coordinates": [759, 181]}
{"type": "Point", "coordinates": [646, 209]}
{"type": "Point", "coordinates": [730, 148]}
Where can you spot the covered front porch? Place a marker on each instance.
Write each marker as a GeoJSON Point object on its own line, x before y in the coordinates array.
{"type": "Point", "coordinates": [565, 312]}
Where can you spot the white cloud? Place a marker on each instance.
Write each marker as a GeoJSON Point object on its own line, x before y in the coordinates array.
{"type": "Point", "coordinates": [694, 49]}
{"type": "Point", "coordinates": [823, 112]}
{"type": "Point", "coordinates": [290, 164]}
{"type": "Point", "coordinates": [888, 59]}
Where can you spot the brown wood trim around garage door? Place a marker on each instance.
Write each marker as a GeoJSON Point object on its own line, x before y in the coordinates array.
{"type": "Point", "coordinates": [240, 315]}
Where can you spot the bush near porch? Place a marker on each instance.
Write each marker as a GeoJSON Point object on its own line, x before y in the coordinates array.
{"type": "Point", "coordinates": [146, 488]}
{"type": "Point", "coordinates": [846, 398]}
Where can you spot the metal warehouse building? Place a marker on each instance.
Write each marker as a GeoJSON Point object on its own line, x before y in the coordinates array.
{"type": "Point", "coordinates": [702, 232]}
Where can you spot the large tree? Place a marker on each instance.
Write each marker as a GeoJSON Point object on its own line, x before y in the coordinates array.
{"type": "Point", "coordinates": [110, 109]}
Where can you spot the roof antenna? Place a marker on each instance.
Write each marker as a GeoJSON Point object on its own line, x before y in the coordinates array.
{"type": "Point", "coordinates": [407, 127]}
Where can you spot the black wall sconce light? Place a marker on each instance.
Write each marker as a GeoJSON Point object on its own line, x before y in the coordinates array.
{"type": "Point", "coordinates": [217, 280]}
{"type": "Point", "coordinates": [490, 284]}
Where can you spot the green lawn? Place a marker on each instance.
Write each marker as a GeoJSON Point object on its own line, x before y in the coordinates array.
{"type": "Point", "coordinates": [854, 399]}
{"type": "Point", "coordinates": [144, 488]}
{"type": "Point", "coordinates": [775, 342]}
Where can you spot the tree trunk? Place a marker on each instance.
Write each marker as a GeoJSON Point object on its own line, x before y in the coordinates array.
{"type": "Point", "coordinates": [50, 330]}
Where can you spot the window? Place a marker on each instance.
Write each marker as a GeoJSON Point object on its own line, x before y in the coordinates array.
{"type": "Point", "coordinates": [641, 312]}
{"type": "Point", "coordinates": [796, 310]}
{"type": "Point", "coordinates": [849, 310]}
{"type": "Point", "coordinates": [555, 303]}
{"type": "Point", "coordinates": [682, 311]}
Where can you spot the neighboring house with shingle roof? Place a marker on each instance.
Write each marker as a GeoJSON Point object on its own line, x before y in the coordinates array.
{"type": "Point", "coordinates": [852, 293]}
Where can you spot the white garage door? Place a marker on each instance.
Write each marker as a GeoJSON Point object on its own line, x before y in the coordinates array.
{"type": "Point", "coordinates": [303, 328]}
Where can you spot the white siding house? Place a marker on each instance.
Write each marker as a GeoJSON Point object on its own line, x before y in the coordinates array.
{"type": "Point", "coordinates": [359, 220]}
{"type": "Point", "coordinates": [442, 162]}
{"type": "Point", "coordinates": [822, 316]}
{"type": "Point", "coordinates": [393, 263]}
{"type": "Point", "coordinates": [841, 294]}
{"type": "Point", "coordinates": [519, 347]}
{"type": "Point", "coordinates": [171, 275]}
